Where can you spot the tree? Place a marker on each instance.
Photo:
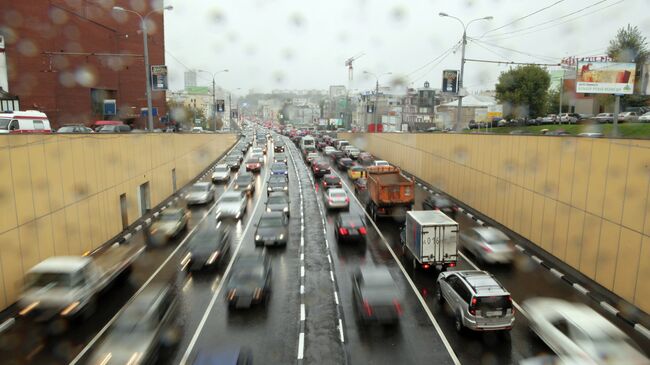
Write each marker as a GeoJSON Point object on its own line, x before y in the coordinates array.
{"type": "Point", "coordinates": [524, 90]}
{"type": "Point", "coordinates": [553, 101]}
{"type": "Point", "coordinates": [630, 45]}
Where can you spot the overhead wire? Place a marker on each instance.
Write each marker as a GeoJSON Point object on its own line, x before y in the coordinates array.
{"type": "Point", "coordinates": [523, 17]}
{"type": "Point", "coordinates": [434, 60]}
{"type": "Point", "coordinates": [441, 58]}
{"type": "Point", "coordinates": [541, 57]}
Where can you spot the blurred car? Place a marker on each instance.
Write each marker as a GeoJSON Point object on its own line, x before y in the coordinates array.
{"type": "Point", "coordinates": [245, 182]}
{"type": "Point", "coordinates": [231, 204]}
{"type": "Point", "coordinates": [277, 183]}
{"type": "Point", "coordinates": [477, 300]}
{"type": "Point", "coordinates": [437, 202]}
{"type": "Point", "coordinates": [236, 356]}
{"type": "Point", "coordinates": [570, 118]}
{"type": "Point", "coordinates": [336, 198]}
{"type": "Point", "coordinates": [250, 281]}
{"type": "Point", "coordinates": [278, 147]}
{"type": "Point", "coordinates": [200, 193]}
{"type": "Point", "coordinates": [320, 145]}
{"type": "Point", "coordinates": [279, 202]}
{"type": "Point", "coordinates": [279, 168]}
{"type": "Point", "coordinates": [221, 174]}
{"type": "Point", "coordinates": [356, 172]}
{"type": "Point", "coordinates": [645, 118]}
{"type": "Point", "coordinates": [629, 117]}
{"type": "Point", "coordinates": [280, 157]}
{"type": "Point", "coordinates": [352, 152]}
{"type": "Point", "coordinates": [591, 134]}
{"type": "Point", "coordinates": [576, 330]}
{"type": "Point", "coordinates": [147, 322]}
{"type": "Point", "coordinates": [238, 155]}
{"type": "Point", "coordinates": [488, 244]}
{"type": "Point", "coordinates": [320, 168]}
{"type": "Point", "coordinates": [375, 296]}
{"type": "Point", "coordinates": [253, 165]}
{"type": "Point", "coordinates": [365, 159]}
{"type": "Point", "coordinates": [208, 248]}
{"type": "Point", "coordinates": [272, 229]}
{"type": "Point", "coordinates": [119, 128]}
{"type": "Point", "coordinates": [328, 150]}
{"type": "Point", "coordinates": [549, 119]}
{"type": "Point", "coordinates": [74, 128]}
{"type": "Point", "coordinates": [232, 162]}
{"type": "Point", "coordinates": [310, 157]}
{"type": "Point", "coordinates": [344, 163]}
{"type": "Point", "coordinates": [262, 147]}
{"type": "Point", "coordinates": [604, 118]}
{"type": "Point", "coordinates": [243, 147]}
{"type": "Point", "coordinates": [257, 156]}
{"type": "Point", "coordinates": [350, 227]}
{"type": "Point", "coordinates": [169, 224]}
{"type": "Point", "coordinates": [258, 150]}
{"type": "Point", "coordinates": [360, 185]}
{"type": "Point", "coordinates": [380, 163]}
{"type": "Point", "coordinates": [331, 181]}
{"type": "Point", "coordinates": [336, 155]}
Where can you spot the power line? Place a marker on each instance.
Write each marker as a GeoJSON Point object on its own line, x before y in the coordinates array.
{"type": "Point", "coordinates": [177, 60]}
{"type": "Point", "coordinates": [510, 62]}
{"type": "Point", "coordinates": [522, 18]}
{"type": "Point", "coordinates": [491, 51]}
{"type": "Point", "coordinates": [444, 56]}
{"type": "Point", "coordinates": [541, 57]}
{"type": "Point", "coordinates": [433, 60]}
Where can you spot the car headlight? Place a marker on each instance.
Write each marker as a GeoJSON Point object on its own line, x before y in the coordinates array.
{"type": "Point", "coordinates": [257, 237]}
{"type": "Point", "coordinates": [269, 189]}
{"type": "Point", "coordinates": [268, 209]}
{"type": "Point", "coordinates": [236, 186]}
{"type": "Point", "coordinates": [285, 188]}
{"type": "Point", "coordinates": [281, 237]}
{"type": "Point", "coordinates": [286, 209]}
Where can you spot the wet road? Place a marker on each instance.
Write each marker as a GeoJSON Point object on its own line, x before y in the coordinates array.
{"type": "Point", "coordinates": [310, 317]}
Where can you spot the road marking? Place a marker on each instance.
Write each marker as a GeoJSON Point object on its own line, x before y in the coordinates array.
{"type": "Point", "coordinates": [336, 298]}
{"type": "Point", "coordinates": [556, 273]}
{"type": "Point", "coordinates": [156, 214]}
{"type": "Point", "coordinates": [518, 247]}
{"type": "Point", "coordinates": [608, 307]}
{"type": "Point", "coordinates": [127, 236]}
{"type": "Point", "coordinates": [302, 289]}
{"type": "Point", "coordinates": [644, 331]}
{"type": "Point", "coordinates": [138, 228]}
{"type": "Point", "coordinates": [480, 222]}
{"type": "Point", "coordinates": [580, 288]}
{"type": "Point", "coordinates": [302, 312]}
{"type": "Point", "coordinates": [332, 275]}
{"type": "Point", "coordinates": [301, 345]}
{"type": "Point", "coordinates": [147, 221]}
{"type": "Point", "coordinates": [302, 256]}
{"type": "Point", "coordinates": [302, 271]}
{"type": "Point", "coordinates": [536, 259]}
{"type": "Point", "coordinates": [341, 330]}
{"type": "Point", "coordinates": [7, 324]}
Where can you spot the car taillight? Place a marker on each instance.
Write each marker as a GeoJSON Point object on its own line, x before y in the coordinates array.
{"type": "Point", "coordinates": [362, 230]}
{"type": "Point", "coordinates": [452, 264]}
{"type": "Point", "coordinates": [367, 308]}
{"type": "Point", "coordinates": [472, 306]}
{"type": "Point", "coordinates": [486, 248]}
{"type": "Point", "coordinates": [398, 307]}
{"type": "Point", "coordinates": [347, 200]}
{"type": "Point", "coordinates": [343, 231]}
{"type": "Point", "coordinates": [426, 266]}
{"type": "Point", "coordinates": [512, 307]}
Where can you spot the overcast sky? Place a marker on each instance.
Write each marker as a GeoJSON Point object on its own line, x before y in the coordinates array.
{"type": "Point", "coordinates": [292, 44]}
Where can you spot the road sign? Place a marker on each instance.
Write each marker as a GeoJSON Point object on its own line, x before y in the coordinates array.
{"type": "Point", "coordinates": [110, 107]}
{"type": "Point", "coordinates": [221, 106]}
{"type": "Point", "coordinates": [143, 112]}
{"type": "Point", "coordinates": [158, 77]}
{"type": "Point", "coordinates": [449, 81]}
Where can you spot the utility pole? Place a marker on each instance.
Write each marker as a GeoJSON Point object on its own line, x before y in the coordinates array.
{"type": "Point", "coordinates": [559, 114]}
{"type": "Point", "coordinates": [229, 109]}
{"type": "Point", "coordinates": [214, 104]}
{"type": "Point", "coordinates": [617, 109]}
{"type": "Point", "coordinates": [374, 110]}
{"type": "Point", "coordinates": [460, 80]}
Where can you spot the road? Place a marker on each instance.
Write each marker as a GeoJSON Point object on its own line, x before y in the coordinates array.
{"type": "Point", "coordinates": [310, 318]}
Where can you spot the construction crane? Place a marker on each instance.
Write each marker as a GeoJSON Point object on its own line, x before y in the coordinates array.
{"type": "Point", "coordinates": [348, 64]}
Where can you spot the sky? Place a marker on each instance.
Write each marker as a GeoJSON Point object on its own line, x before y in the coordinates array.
{"type": "Point", "coordinates": [292, 44]}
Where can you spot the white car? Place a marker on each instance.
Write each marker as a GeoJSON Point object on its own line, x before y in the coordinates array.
{"type": "Point", "coordinates": [336, 198]}
{"type": "Point", "coordinates": [259, 156]}
{"type": "Point", "coordinates": [381, 163]}
{"type": "Point", "coordinates": [328, 150]}
{"type": "Point", "coordinates": [628, 117]}
{"type": "Point", "coordinates": [200, 193]}
{"type": "Point", "coordinates": [232, 204]}
{"type": "Point", "coordinates": [574, 330]}
{"type": "Point", "coordinates": [645, 118]}
{"type": "Point", "coordinates": [221, 173]}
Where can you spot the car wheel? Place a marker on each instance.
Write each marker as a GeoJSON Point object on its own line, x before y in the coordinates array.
{"type": "Point", "coordinates": [439, 296]}
{"type": "Point", "coordinates": [458, 324]}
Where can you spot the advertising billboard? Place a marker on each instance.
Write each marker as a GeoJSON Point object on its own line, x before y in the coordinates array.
{"type": "Point", "coordinates": [449, 81]}
{"type": "Point", "coordinates": [605, 78]}
{"type": "Point", "coordinates": [158, 77]}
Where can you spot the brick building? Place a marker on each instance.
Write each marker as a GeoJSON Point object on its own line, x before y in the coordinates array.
{"type": "Point", "coordinates": [65, 57]}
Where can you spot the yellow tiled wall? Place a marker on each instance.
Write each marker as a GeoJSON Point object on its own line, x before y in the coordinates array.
{"type": "Point", "coordinates": [60, 194]}
{"type": "Point", "coordinates": [586, 201]}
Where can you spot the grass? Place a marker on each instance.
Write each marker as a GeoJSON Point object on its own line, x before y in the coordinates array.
{"type": "Point", "coordinates": [626, 130]}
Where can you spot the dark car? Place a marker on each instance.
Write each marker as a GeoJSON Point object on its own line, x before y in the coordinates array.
{"type": "Point", "coordinates": [280, 157]}
{"type": "Point", "coordinates": [365, 159]}
{"type": "Point", "coordinates": [320, 145]}
{"type": "Point", "coordinates": [350, 227]}
{"type": "Point", "coordinates": [360, 185]}
{"type": "Point", "coordinates": [74, 128]}
{"type": "Point", "coordinates": [243, 148]}
{"type": "Point", "coordinates": [279, 168]}
{"type": "Point", "coordinates": [336, 155]}
{"type": "Point", "coordinates": [250, 281]}
{"type": "Point", "coordinates": [232, 162]}
{"type": "Point", "coordinates": [253, 165]}
{"type": "Point", "coordinates": [320, 168]}
{"type": "Point", "coordinates": [375, 295]}
{"type": "Point", "coordinates": [277, 183]}
{"type": "Point", "coordinates": [236, 356]}
{"type": "Point", "coordinates": [245, 182]}
{"type": "Point", "coordinates": [119, 128]}
{"type": "Point", "coordinates": [441, 203]}
{"type": "Point", "coordinates": [208, 248]}
{"type": "Point", "coordinates": [238, 155]}
{"type": "Point", "coordinates": [344, 163]}
{"type": "Point", "coordinates": [331, 181]}
{"type": "Point", "coordinates": [279, 202]}
{"type": "Point", "coordinates": [279, 147]}
{"type": "Point", "coordinates": [272, 229]}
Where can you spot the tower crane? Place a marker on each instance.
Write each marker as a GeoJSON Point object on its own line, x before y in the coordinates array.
{"type": "Point", "coordinates": [348, 64]}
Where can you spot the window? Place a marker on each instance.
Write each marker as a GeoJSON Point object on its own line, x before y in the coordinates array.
{"type": "Point", "coordinates": [562, 326]}
{"type": "Point", "coordinates": [13, 126]}
{"type": "Point", "coordinates": [38, 125]}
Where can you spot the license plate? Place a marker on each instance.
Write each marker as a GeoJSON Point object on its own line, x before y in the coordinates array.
{"type": "Point", "coordinates": [493, 314]}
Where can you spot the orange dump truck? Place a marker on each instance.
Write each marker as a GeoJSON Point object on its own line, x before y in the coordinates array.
{"type": "Point", "coordinates": [390, 193]}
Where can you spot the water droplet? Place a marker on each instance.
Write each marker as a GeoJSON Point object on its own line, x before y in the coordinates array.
{"type": "Point", "coordinates": [58, 16]}
{"type": "Point", "coordinates": [27, 48]}
{"type": "Point", "coordinates": [66, 78]}
{"type": "Point", "coordinates": [85, 77]}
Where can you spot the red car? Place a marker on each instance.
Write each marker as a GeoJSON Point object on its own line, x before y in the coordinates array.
{"type": "Point", "coordinates": [331, 181]}
{"type": "Point", "coordinates": [320, 168]}
{"type": "Point", "coordinates": [253, 165]}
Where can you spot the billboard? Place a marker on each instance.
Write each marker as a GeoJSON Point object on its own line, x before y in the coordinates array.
{"type": "Point", "coordinates": [494, 111]}
{"type": "Point", "coordinates": [605, 78]}
{"type": "Point", "coordinates": [449, 81]}
{"type": "Point", "coordinates": [158, 77]}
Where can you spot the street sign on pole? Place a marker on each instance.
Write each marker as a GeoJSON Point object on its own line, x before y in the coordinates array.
{"type": "Point", "coordinates": [449, 81]}
{"type": "Point", "coordinates": [110, 107]}
{"type": "Point", "coordinates": [158, 77]}
{"type": "Point", "coordinates": [221, 106]}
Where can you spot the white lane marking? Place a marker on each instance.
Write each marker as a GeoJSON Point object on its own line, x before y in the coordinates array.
{"type": "Point", "coordinates": [163, 208]}
{"type": "Point", "coordinates": [138, 228]}
{"type": "Point", "coordinates": [518, 247]}
{"type": "Point", "coordinates": [302, 256]}
{"type": "Point", "coordinates": [443, 338]}
{"type": "Point", "coordinates": [147, 221]}
{"type": "Point", "coordinates": [302, 289]}
{"type": "Point", "coordinates": [156, 214]}
{"type": "Point", "coordinates": [480, 222]}
{"type": "Point", "coordinates": [341, 330]}
{"type": "Point", "coordinates": [302, 312]}
{"type": "Point", "coordinates": [336, 298]}
{"type": "Point", "coordinates": [556, 273]}
{"type": "Point", "coordinates": [460, 209]}
{"type": "Point", "coordinates": [302, 271]}
{"type": "Point", "coordinates": [301, 345]}
{"type": "Point", "coordinates": [536, 259]}
{"type": "Point", "coordinates": [127, 236]}
{"type": "Point", "coordinates": [608, 307]}
{"type": "Point", "coordinates": [580, 288]}
{"type": "Point", "coordinates": [469, 215]}
{"type": "Point", "coordinates": [332, 275]}
{"type": "Point", "coordinates": [644, 331]}
{"type": "Point", "coordinates": [7, 324]}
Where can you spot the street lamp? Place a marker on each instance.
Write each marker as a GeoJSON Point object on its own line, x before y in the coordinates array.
{"type": "Point", "coordinates": [374, 110]}
{"type": "Point", "coordinates": [143, 28]}
{"type": "Point", "coordinates": [462, 61]}
{"type": "Point", "coordinates": [214, 94]}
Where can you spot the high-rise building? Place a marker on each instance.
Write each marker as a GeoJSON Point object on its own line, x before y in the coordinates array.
{"type": "Point", "coordinates": [190, 79]}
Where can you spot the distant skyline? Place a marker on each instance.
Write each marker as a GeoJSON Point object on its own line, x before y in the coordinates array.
{"type": "Point", "coordinates": [282, 44]}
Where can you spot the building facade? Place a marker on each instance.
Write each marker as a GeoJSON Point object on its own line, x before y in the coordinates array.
{"type": "Point", "coordinates": [419, 108]}
{"type": "Point", "coordinates": [189, 78]}
{"type": "Point", "coordinates": [65, 58]}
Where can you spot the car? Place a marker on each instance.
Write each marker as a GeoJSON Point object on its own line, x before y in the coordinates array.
{"type": "Point", "coordinates": [231, 204]}
{"type": "Point", "coordinates": [279, 202]}
{"type": "Point", "coordinates": [331, 181]}
{"type": "Point", "coordinates": [254, 165]}
{"type": "Point", "coordinates": [278, 147]}
{"type": "Point", "coordinates": [232, 162]}
{"type": "Point", "coordinates": [320, 168]}
{"type": "Point", "coordinates": [311, 156]}
{"type": "Point", "coordinates": [238, 155]}
{"type": "Point", "coordinates": [245, 182]}
{"type": "Point", "coordinates": [249, 282]}
{"type": "Point", "coordinates": [118, 128]}
{"type": "Point", "coordinates": [257, 156]}
{"type": "Point", "coordinates": [629, 117]}
{"type": "Point", "coordinates": [488, 244]}
{"type": "Point", "coordinates": [243, 148]}
{"type": "Point", "coordinates": [208, 248]}
{"type": "Point", "coordinates": [645, 118]}
{"type": "Point", "coordinates": [365, 159]}
{"type": "Point", "coordinates": [277, 183]}
{"type": "Point", "coordinates": [356, 172]}
{"type": "Point", "coordinates": [74, 128]}
{"type": "Point", "coordinates": [279, 168]}
{"type": "Point", "coordinates": [549, 119]}
{"type": "Point", "coordinates": [320, 145]}
{"type": "Point", "coordinates": [352, 152]}
{"type": "Point", "coordinates": [336, 198]}
{"type": "Point", "coordinates": [328, 150]}
{"type": "Point", "coordinates": [360, 185]}
{"type": "Point", "coordinates": [476, 299]}
{"type": "Point", "coordinates": [336, 155]}
{"type": "Point", "coordinates": [262, 147]}
{"type": "Point", "coordinates": [146, 323]}
{"type": "Point", "coordinates": [197, 130]}
{"type": "Point", "coordinates": [575, 330]}
{"type": "Point", "coordinates": [375, 296]}
{"type": "Point", "coordinates": [280, 157]}
{"type": "Point", "coordinates": [380, 163]}
{"type": "Point", "coordinates": [272, 229]}
{"type": "Point", "coordinates": [344, 163]}
{"type": "Point", "coordinates": [221, 174]}
{"type": "Point", "coordinates": [604, 118]}
{"type": "Point", "coordinates": [169, 224]}
{"type": "Point", "coordinates": [437, 202]}
{"type": "Point", "coordinates": [350, 227]}
{"type": "Point", "coordinates": [227, 356]}
{"type": "Point", "coordinates": [200, 193]}
{"type": "Point", "coordinates": [570, 118]}
{"type": "Point", "coordinates": [591, 134]}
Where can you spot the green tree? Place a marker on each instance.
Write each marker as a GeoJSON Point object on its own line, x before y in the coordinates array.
{"type": "Point", "coordinates": [629, 45]}
{"type": "Point", "coordinates": [553, 101]}
{"type": "Point", "coordinates": [524, 90]}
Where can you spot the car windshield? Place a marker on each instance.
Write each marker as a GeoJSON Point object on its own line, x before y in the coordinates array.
{"type": "Point", "coordinates": [50, 280]}
{"type": "Point", "coordinates": [60, 130]}
{"type": "Point", "coordinates": [169, 215]}
{"type": "Point", "coordinates": [338, 194]}
{"type": "Point", "coordinates": [4, 123]}
{"type": "Point", "coordinates": [253, 160]}
{"type": "Point", "coordinates": [269, 222]}
{"type": "Point", "coordinates": [279, 166]}
{"type": "Point", "coordinates": [277, 200]}
{"type": "Point", "coordinates": [243, 179]}
{"type": "Point", "coordinates": [231, 198]}
{"type": "Point", "coordinates": [221, 169]}
{"type": "Point", "coordinates": [200, 188]}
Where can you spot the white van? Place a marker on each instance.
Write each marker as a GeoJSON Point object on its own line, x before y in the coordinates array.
{"type": "Point", "coordinates": [30, 121]}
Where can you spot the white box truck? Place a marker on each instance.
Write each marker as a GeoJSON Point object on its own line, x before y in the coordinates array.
{"type": "Point", "coordinates": [430, 239]}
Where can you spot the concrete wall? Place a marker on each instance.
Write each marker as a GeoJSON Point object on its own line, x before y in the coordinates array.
{"type": "Point", "coordinates": [586, 201]}
{"type": "Point", "coordinates": [60, 194]}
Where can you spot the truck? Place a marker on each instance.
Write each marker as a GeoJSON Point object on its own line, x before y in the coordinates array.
{"type": "Point", "coordinates": [66, 287]}
{"type": "Point", "coordinates": [430, 239]}
{"type": "Point", "coordinates": [390, 193]}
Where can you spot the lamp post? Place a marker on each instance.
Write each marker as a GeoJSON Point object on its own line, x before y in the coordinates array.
{"type": "Point", "coordinates": [143, 28]}
{"type": "Point", "coordinates": [462, 61]}
{"type": "Point", "coordinates": [374, 110]}
{"type": "Point", "coordinates": [214, 95]}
